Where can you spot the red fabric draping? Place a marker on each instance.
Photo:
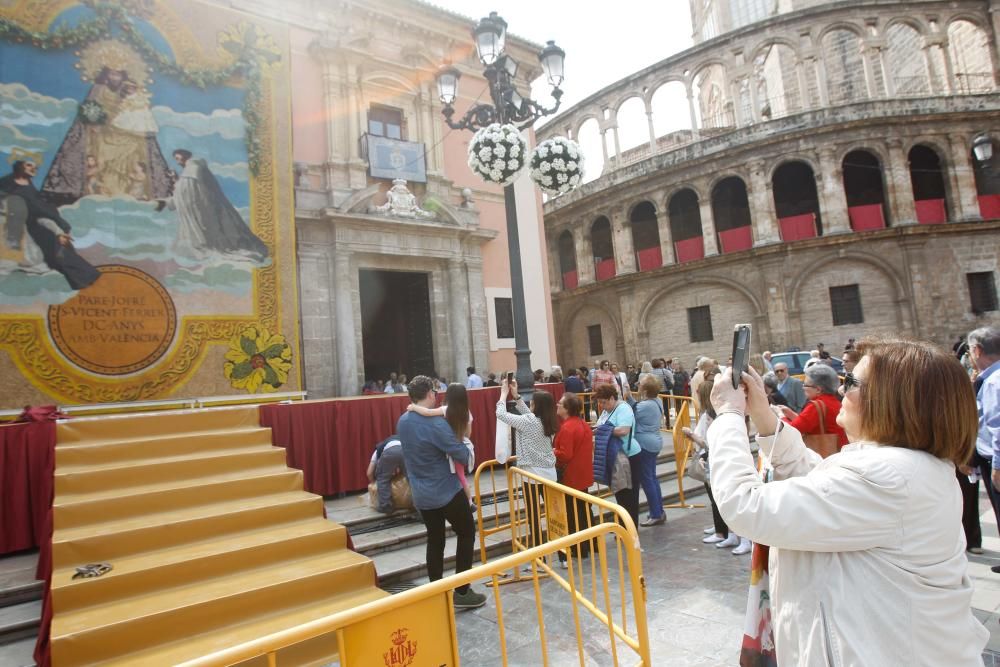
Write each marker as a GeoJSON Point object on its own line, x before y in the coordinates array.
{"type": "Point", "coordinates": [734, 240]}
{"type": "Point", "coordinates": [570, 279]}
{"type": "Point", "coordinates": [797, 227]}
{"type": "Point", "coordinates": [867, 217]}
{"type": "Point", "coordinates": [930, 211]}
{"type": "Point", "coordinates": [27, 464]}
{"type": "Point", "coordinates": [332, 441]}
{"type": "Point", "coordinates": [690, 249]}
{"type": "Point", "coordinates": [605, 269]}
{"type": "Point", "coordinates": [649, 259]}
{"type": "Point", "coordinates": [989, 206]}
{"type": "Point", "coordinates": [27, 469]}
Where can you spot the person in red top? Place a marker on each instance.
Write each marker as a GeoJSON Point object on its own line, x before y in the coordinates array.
{"type": "Point", "coordinates": [821, 386]}
{"type": "Point", "coordinates": [574, 450]}
{"type": "Point", "coordinates": [603, 375]}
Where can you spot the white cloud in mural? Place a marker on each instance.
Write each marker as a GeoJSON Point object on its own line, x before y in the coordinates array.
{"type": "Point", "coordinates": [21, 106]}
{"type": "Point", "coordinates": [237, 171]}
{"type": "Point", "coordinates": [227, 123]}
{"type": "Point", "coordinates": [11, 138]}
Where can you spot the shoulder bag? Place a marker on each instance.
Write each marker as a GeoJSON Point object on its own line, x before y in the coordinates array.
{"type": "Point", "coordinates": [822, 443]}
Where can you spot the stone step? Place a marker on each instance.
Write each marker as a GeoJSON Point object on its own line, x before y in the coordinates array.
{"type": "Point", "coordinates": [402, 530]}
{"type": "Point", "coordinates": [19, 621]}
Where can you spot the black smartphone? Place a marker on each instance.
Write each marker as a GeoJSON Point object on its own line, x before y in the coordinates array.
{"type": "Point", "coordinates": [510, 377]}
{"type": "Point", "coordinates": [741, 352]}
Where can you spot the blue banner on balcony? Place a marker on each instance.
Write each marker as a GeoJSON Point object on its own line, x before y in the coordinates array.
{"type": "Point", "coordinates": [392, 158]}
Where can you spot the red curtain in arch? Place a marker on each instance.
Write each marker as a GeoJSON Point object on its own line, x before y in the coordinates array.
{"type": "Point", "coordinates": [930, 211]}
{"type": "Point", "coordinates": [650, 258]}
{"type": "Point", "coordinates": [690, 249]}
{"type": "Point", "coordinates": [866, 218]}
{"type": "Point", "coordinates": [797, 227]}
{"type": "Point", "coordinates": [734, 240]}
{"type": "Point", "coordinates": [605, 269]}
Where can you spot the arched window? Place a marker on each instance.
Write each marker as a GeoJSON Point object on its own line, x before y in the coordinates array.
{"type": "Point", "coordinates": [796, 202]}
{"type": "Point", "coordinates": [715, 110]}
{"type": "Point", "coordinates": [927, 178]}
{"type": "Point", "coordinates": [907, 67]}
{"type": "Point", "coordinates": [685, 226]}
{"type": "Point", "coordinates": [865, 191]}
{"type": "Point", "coordinates": [777, 82]}
{"type": "Point", "coordinates": [968, 47]}
{"type": "Point", "coordinates": [633, 130]}
{"type": "Point", "coordinates": [567, 261]}
{"type": "Point", "coordinates": [731, 210]}
{"type": "Point", "coordinates": [646, 237]}
{"type": "Point", "coordinates": [845, 70]}
{"type": "Point", "coordinates": [671, 114]}
{"type": "Point", "coordinates": [604, 249]}
{"type": "Point", "coordinates": [589, 138]}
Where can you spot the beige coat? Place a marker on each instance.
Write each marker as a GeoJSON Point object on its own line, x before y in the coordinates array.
{"type": "Point", "coordinates": [868, 561]}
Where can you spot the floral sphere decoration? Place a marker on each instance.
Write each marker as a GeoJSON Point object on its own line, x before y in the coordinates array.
{"type": "Point", "coordinates": [497, 153]}
{"type": "Point", "coordinates": [557, 165]}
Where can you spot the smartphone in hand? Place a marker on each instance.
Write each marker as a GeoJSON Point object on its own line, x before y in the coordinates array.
{"type": "Point", "coordinates": [741, 352]}
{"type": "Point", "coordinates": [510, 377]}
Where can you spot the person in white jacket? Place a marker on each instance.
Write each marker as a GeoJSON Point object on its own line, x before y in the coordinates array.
{"type": "Point", "coordinates": [867, 557]}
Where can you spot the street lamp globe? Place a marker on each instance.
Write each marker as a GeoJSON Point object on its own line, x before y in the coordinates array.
{"type": "Point", "coordinates": [447, 83]}
{"type": "Point", "coordinates": [982, 148]}
{"type": "Point", "coordinates": [553, 58]}
{"type": "Point", "coordinates": [490, 36]}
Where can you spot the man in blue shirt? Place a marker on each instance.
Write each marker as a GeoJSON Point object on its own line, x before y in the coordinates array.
{"type": "Point", "coordinates": [984, 352]}
{"type": "Point", "coordinates": [427, 442]}
{"type": "Point", "coordinates": [473, 381]}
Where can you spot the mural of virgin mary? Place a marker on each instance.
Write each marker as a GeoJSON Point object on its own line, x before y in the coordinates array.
{"type": "Point", "coordinates": [111, 148]}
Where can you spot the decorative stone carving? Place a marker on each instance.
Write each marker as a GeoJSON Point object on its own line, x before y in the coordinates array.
{"type": "Point", "coordinates": [401, 203]}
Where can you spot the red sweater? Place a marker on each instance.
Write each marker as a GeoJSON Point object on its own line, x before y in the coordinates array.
{"type": "Point", "coordinates": [807, 423]}
{"type": "Point", "coordinates": [574, 449]}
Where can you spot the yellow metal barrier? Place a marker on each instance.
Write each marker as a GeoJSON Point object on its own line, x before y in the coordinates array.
{"type": "Point", "coordinates": [409, 628]}
{"type": "Point", "coordinates": [682, 449]}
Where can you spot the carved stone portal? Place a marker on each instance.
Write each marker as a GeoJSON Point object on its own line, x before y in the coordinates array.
{"type": "Point", "coordinates": [401, 203]}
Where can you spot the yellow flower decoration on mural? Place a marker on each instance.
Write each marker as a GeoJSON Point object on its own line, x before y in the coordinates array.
{"type": "Point", "coordinates": [257, 361]}
{"type": "Point", "coordinates": [246, 37]}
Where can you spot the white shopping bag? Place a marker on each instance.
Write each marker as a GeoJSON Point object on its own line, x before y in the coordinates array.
{"type": "Point", "coordinates": [502, 442]}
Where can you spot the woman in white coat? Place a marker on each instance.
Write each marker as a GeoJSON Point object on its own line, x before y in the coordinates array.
{"type": "Point", "coordinates": [867, 556]}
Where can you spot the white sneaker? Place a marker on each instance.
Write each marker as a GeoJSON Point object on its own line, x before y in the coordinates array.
{"type": "Point", "coordinates": [745, 547]}
{"type": "Point", "coordinates": [709, 530]}
{"type": "Point", "coordinates": [712, 539]}
{"type": "Point", "coordinates": [730, 542]}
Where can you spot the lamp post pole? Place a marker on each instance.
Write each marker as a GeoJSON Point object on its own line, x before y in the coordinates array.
{"type": "Point", "coordinates": [508, 107]}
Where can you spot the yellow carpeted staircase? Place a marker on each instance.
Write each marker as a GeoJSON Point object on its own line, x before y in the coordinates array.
{"type": "Point", "coordinates": [212, 540]}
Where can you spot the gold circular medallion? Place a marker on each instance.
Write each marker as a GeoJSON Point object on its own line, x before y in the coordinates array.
{"type": "Point", "coordinates": [121, 324]}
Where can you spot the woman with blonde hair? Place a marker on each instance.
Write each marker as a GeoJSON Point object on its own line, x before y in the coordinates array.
{"type": "Point", "coordinates": [876, 527]}
{"type": "Point", "coordinates": [648, 417]}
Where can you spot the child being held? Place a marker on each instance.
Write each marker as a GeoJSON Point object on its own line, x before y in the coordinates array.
{"type": "Point", "coordinates": [456, 411]}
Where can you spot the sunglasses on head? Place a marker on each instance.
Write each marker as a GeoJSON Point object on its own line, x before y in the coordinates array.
{"type": "Point", "coordinates": [850, 382]}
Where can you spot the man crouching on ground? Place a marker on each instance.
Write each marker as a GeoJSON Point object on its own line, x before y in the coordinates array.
{"type": "Point", "coordinates": [427, 444]}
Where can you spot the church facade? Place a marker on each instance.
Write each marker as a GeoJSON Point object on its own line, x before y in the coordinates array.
{"type": "Point", "coordinates": [833, 174]}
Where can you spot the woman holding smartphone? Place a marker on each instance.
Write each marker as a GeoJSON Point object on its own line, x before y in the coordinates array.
{"type": "Point", "coordinates": [536, 430]}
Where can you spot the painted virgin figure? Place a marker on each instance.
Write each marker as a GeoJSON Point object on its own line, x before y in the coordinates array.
{"type": "Point", "coordinates": [111, 148]}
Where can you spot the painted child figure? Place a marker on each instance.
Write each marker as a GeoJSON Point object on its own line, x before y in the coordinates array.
{"type": "Point", "coordinates": [456, 411]}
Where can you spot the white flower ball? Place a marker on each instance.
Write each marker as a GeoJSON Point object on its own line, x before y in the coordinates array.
{"type": "Point", "coordinates": [563, 189]}
{"type": "Point", "coordinates": [543, 151]}
{"type": "Point", "coordinates": [515, 150]}
{"type": "Point", "coordinates": [562, 178]}
{"type": "Point", "coordinates": [557, 149]}
{"type": "Point", "coordinates": [513, 165]}
{"type": "Point", "coordinates": [496, 175]}
{"type": "Point", "coordinates": [547, 180]}
{"type": "Point", "coordinates": [574, 180]}
{"type": "Point", "coordinates": [500, 151]}
{"type": "Point", "coordinates": [485, 154]}
{"type": "Point", "coordinates": [498, 164]}
{"type": "Point", "coordinates": [571, 165]}
{"type": "Point", "coordinates": [546, 167]}
{"type": "Point", "coordinates": [559, 164]}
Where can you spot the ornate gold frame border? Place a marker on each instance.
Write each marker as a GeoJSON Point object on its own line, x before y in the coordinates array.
{"type": "Point", "coordinates": [26, 336]}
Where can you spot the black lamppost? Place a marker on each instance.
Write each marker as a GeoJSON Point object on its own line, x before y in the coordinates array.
{"type": "Point", "coordinates": [508, 107]}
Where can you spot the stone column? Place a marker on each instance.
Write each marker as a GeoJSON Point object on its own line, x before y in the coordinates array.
{"type": "Point", "coordinates": [584, 255]}
{"type": "Point", "coordinates": [666, 238]}
{"type": "Point", "coordinates": [604, 146]}
{"type": "Point", "coordinates": [621, 231]}
{"type": "Point", "coordinates": [555, 264]}
{"type": "Point", "coordinates": [734, 95]}
{"type": "Point", "coordinates": [963, 179]}
{"type": "Point", "coordinates": [832, 198]}
{"type": "Point", "coordinates": [800, 78]}
{"type": "Point", "coordinates": [652, 131]}
{"type": "Point", "coordinates": [346, 338]}
{"type": "Point", "coordinates": [708, 223]}
{"type": "Point", "coordinates": [764, 218]}
{"type": "Point", "coordinates": [691, 109]}
{"type": "Point", "coordinates": [478, 320]}
{"type": "Point", "coordinates": [819, 66]}
{"type": "Point", "coordinates": [869, 70]}
{"type": "Point", "coordinates": [459, 316]}
{"type": "Point", "coordinates": [618, 146]}
{"type": "Point", "coordinates": [904, 211]}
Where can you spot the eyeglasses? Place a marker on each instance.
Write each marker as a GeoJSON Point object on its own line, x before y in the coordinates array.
{"type": "Point", "coordinates": [850, 382]}
{"type": "Point", "coordinates": [779, 370]}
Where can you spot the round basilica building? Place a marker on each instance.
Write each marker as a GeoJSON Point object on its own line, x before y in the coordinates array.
{"type": "Point", "coordinates": [822, 170]}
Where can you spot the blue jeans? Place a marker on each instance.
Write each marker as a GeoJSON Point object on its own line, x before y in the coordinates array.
{"type": "Point", "coordinates": [650, 485]}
